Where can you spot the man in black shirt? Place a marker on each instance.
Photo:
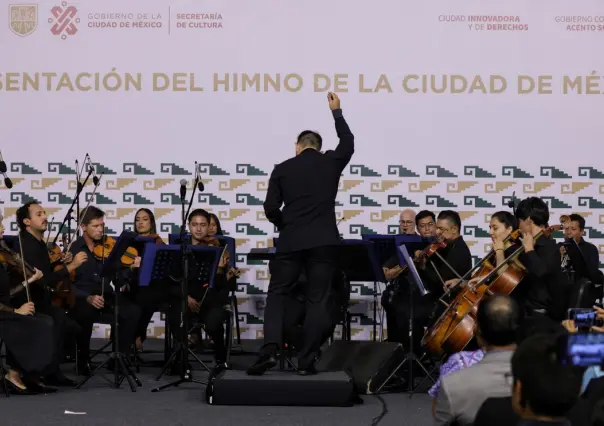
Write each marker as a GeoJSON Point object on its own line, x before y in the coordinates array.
{"type": "Point", "coordinates": [543, 289]}
{"type": "Point", "coordinates": [580, 263]}
{"type": "Point", "coordinates": [306, 186]}
{"type": "Point", "coordinates": [95, 297]}
{"type": "Point", "coordinates": [33, 223]}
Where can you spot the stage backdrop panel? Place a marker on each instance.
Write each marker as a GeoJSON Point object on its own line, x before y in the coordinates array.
{"type": "Point", "coordinates": [453, 105]}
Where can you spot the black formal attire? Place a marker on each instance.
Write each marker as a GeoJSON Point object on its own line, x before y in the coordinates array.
{"type": "Point", "coordinates": [36, 255]}
{"type": "Point", "coordinates": [499, 412]}
{"type": "Point", "coordinates": [544, 288]}
{"type": "Point", "coordinates": [29, 340]}
{"type": "Point", "coordinates": [580, 265]}
{"type": "Point", "coordinates": [88, 282]}
{"type": "Point", "coordinates": [212, 313]}
{"type": "Point", "coordinates": [307, 186]}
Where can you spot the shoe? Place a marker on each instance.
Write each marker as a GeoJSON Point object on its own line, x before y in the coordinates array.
{"type": "Point", "coordinates": [38, 386]}
{"type": "Point", "coordinates": [311, 370]}
{"type": "Point", "coordinates": [59, 379]}
{"type": "Point", "coordinates": [263, 363]}
{"type": "Point", "coordinates": [13, 389]}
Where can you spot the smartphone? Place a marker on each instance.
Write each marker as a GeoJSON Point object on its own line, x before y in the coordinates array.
{"type": "Point", "coordinates": [584, 318]}
{"type": "Point", "coordinates": [582, 349]}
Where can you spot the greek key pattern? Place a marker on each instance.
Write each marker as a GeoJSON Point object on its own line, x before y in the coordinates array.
{"type": "Point", "coordinates": [369, 200]}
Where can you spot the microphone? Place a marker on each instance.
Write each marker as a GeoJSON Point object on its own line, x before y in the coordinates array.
{"type": "Point", "coordinates": [3, 169]}
{"type": "Point", "coordinates": [512, 202]}
{"type": "Point", "coordinates": [183, 188]}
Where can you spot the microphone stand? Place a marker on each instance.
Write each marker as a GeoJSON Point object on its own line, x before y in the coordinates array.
{"type": "Point", "coordinates": [589, 278]}
{"type": "Point", "coordinates": [182, 349]}
{"type": "Point", "coordinates": [68, 217]}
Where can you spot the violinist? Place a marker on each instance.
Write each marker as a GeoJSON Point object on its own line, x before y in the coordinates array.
{"type": "Point", "coordinates": [215, 228]}
{"type": "Point", "coordinates": [29, 338]}
{"type": "Point", "coordinates": [33, 223]}
{"type": "Point", "coordinates": [443, 271]}
{"type": "Point", "coordinates": [542, 290]}
{"type": "Point", "coordinates": [206, 305]}
{"type": "Point", "coordinates": [95, 297]}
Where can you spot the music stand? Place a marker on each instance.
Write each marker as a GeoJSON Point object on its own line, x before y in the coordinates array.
{"type": "Point", "coordinates": [165, 261]}
{"type": "Point", "coordinates": [414, 281]}
{"type": "Point", "coordinates": [359, 261]}
{"type": "Point", "coordinates": [111, 269]}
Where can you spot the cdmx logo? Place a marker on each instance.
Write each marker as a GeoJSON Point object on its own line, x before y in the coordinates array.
{"type": "Point", "coordinates": [64, 19]}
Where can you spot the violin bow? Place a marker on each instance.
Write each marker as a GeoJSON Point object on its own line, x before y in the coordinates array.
{"type": "Point", "coordinates": [52, 221]}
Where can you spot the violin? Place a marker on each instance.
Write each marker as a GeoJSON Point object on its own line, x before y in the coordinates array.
{"type": "Point", "coordinates": [424, 254]}
{"type": "Point", "coordinates": [16, 263]}
{"type": "Point", "coordinates": [225, 258]}
{"type": "Point", "coordinates": [102, 251]}
{"type": "Point", "coordinates": [63, 295]}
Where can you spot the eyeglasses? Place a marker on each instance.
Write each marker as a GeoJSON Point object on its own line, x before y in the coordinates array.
{"type": "Point", "coordinates": [426, 225]}
{"type": "Point", "coordinates": [405, 222]}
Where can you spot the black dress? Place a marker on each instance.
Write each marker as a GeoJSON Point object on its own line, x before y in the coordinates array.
{"type": "Point", "coordinates": [28, 339]}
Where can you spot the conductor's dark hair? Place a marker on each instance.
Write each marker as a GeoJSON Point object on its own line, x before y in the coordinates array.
{"type": "Point", "coordinates": [310, 138]}
{"type": "Point", "coordinates": [452, 217]}
{"type": "Point", "coordinates": [535, 209]}
{"type": "Point", "coordinates": [422, 215]}
{"type": "Point", "coordinates": [92, 213]}
{"type": "Point", "coordinates": [507, 218]}
{"type": "Point", "coordinates": [548, 386]}
{"type": "Point", "coordinates": [23, 213]}
{"type": "Point", "coordinates": [199, 212]}
{"type": "Point", "coordinates": [499, 319]}
{"type": "Point", "coordinates": [578, 218]}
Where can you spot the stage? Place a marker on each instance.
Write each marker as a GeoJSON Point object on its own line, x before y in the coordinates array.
{"type": "Point", "coordinates": [186, 405]}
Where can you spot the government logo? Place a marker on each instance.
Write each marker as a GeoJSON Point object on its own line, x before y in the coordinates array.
{"type": "Point", "coordinates": [23, 18]}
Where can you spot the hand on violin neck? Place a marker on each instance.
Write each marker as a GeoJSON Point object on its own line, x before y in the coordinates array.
{"type": "Point", "coordinates": [36, 276]}
{"type": "Point", "coordinates": [97, 302]}
{"type": "Point", "coordinates": [449, 284]}
{"type": "Point", "coordinates": [26, 309]}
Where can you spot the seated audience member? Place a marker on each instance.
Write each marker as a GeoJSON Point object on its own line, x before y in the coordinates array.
{"type": "Point", "coordinates": [463, 392]}
{"type": "Point", "coordinates": [499, 411]}
{"type": "Point", "coordinates": [544, 390]}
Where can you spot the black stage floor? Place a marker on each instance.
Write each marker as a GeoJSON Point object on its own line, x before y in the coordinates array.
{"type": "Point", "coordinates": [185, 405]}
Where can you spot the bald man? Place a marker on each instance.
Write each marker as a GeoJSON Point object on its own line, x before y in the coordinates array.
{"type": "Point", "coordinates": [407, 222]}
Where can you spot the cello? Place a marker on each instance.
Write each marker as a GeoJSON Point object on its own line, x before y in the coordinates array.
{"type": "Point", "coordinates": [455, 328]}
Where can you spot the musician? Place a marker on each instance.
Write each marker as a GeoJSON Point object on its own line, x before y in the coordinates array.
{"type": "Point", "coordinates": [307, 186]}
{"type": "Point", "coordinates": [206, 305]}
{"type": "Point", "coordinates": [28, 336]}
{"type": "Point", "coordinates": [542, 291]}
{"type": "Point", "coordinates": [95, 297]}
{"type": "Point", "coordinates": [407, 222]}
{"type": "Point", "coordinates": [148, 298]}
{"type": "Point", "coordinates": [443, 271]}
{"type": "Point", "coordinates": [215, 228]}
{"type": "Point", "coordinates": [33, 223]}
{"type": "Point", "coordinates": [395, 298]}
{"type": "Point", "coordinates": [588, 256]}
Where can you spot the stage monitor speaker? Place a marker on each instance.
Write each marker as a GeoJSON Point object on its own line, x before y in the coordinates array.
{"type": "Point", "coordinates": [281, 388]}
{"type": "Point", "coordinates": [370, 364]}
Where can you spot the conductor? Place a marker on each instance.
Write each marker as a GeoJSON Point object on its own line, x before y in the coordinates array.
{"type": "Point", "coordinates": [306, 185]}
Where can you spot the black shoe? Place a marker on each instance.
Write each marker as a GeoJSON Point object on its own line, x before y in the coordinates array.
{"type": "Point", "coordinates": [263, 363]}
{"type": "Point", "coordinates": [38, 386]}
{"type": "Point", "coordinates": [16, 390]}
{"type": "Point", "coordinates": [59, 379]}
{"type": "Point", "coordinates": [311, 370]}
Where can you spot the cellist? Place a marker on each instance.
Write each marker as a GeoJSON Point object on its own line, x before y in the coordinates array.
{"type": "Point", "coordinates": [543, 289]}
{"type": "Point", "coordinates": [33, 223]}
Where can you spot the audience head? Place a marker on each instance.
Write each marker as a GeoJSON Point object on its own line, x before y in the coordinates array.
{"type": "Point", "coordinates": [498, 320]}
{"type": "Point", "coordinates": [542, 385]}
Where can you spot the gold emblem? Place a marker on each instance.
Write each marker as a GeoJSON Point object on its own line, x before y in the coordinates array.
{"type": "Point", "coordinates": [23, 18]}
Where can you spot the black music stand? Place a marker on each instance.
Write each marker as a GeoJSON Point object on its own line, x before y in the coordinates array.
{"type": "Point", "coordinates": [359, 262]}
{"type": "Point", "coordinates": [111, 269]}
{"type": "Point", "coordinates": [165, 261]}
{"type": "Point", "coordinates": [414, 281]}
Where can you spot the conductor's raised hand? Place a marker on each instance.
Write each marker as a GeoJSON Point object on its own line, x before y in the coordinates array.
{"type": "Point", "coordinates": [334, 101]}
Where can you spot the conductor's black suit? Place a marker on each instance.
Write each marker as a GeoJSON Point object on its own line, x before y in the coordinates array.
{"type": "Point", "coordinates": [306, 186]}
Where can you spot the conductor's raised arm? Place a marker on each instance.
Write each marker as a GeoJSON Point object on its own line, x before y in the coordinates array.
{"type": "Point", "coordinates": [345, 148]}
